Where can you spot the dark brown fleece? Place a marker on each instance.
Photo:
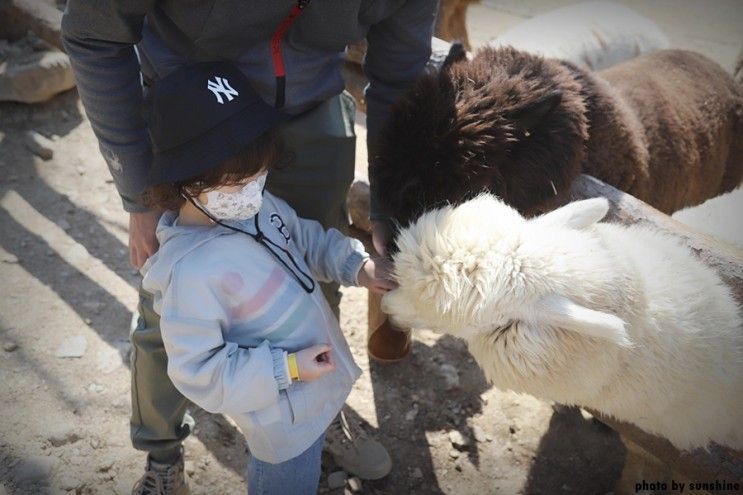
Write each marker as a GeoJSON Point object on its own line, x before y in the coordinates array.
{"type": "Point", "coordinates": [666, 127]}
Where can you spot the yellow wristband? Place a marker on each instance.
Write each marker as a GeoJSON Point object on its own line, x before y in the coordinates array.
{"type": "Point", "coordinates": [291, 359]}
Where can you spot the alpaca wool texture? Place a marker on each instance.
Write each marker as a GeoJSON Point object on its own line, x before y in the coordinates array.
{"type": "Point", "coordinates": [622, 320]}
{"type": "Point", "coordinates": [666, 127]}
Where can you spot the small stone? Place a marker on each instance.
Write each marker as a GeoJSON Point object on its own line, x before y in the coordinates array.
{"type": "Point", "coordinates": [512, 429]}
{"type": "Point", "coordinates": [95, 442]}
{"type": "Point", "coordinates": [451, 376]}
{"type": "Point", "coordinates": [416, 473]}
{"type": "Point", "coordinates": [479, 434]}
{"type": "Point", "coordinates": [458, 465]}
{"type": "Point", "coordinates": [64, 225]}
{"type": "Point", "coordinates": [63, 438]}
{"type": "Point", "coordinates": [96, 388]}
{"type": "Point", "coordinates": [94, 306]}
{"type": "Point", "coordinates": [105, 466]}
{"type": "Point", "coordinates": [458, 440]}
{"type": "Point", "coordinates": [489, 438]}
{"type": "Point", "coordinates": [355, 484]}
{"type": "Point", "coordinates": [410, 415]}
{"type": "Point", "coordinates": [9, 258]}
{"type": "Point", "coordinates": [72, 347]}
{"type": "Point", "coordinates": [37, 469]}
{"type": "Point", "coordinates": [67, 481]}
{"type": "Point", "coordinates": [190, 468]}
{"type": "Point", "coordinates": [453, 453]}
{"type": "Point", "coordinates": [347, 491]}
{"type": "Point", "coordinates": [39, 145]}
{"type": "Point", "coordinates": [80, 170]}
{"type": "Point", "coordinates": [337, 480]}
{"type": "Point", "coordinates": [10, 346]}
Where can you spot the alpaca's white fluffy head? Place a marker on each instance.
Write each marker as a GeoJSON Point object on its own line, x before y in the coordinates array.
{"type": "Point", "coordinates": [481, 268]}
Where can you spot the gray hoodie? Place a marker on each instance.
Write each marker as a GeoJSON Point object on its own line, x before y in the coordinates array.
{"type": "Point", "coordinates": [100, 36]}
{"type": "Point", "coordinates": [230, 313]}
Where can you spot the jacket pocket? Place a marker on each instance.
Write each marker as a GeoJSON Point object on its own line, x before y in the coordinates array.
{"type": "Point", "coordinates": [268, 415]}
{"type": "Point", "coordinates": [297, 403]}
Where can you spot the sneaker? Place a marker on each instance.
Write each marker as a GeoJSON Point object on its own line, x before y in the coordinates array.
{"type": "Point", "coordinates": [354, 451]}
{"type": "Point", "coordinates": [161, 478]}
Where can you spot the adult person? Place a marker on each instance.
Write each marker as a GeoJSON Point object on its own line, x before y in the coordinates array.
{"type": "Point", "coordinates": [291, 52]}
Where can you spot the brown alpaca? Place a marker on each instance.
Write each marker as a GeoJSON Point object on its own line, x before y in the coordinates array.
{"type": "Point", "coordinates": [666, 127]}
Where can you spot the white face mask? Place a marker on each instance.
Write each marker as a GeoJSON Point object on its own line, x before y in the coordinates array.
{"type": "Point", "coordinates": [238, 205]}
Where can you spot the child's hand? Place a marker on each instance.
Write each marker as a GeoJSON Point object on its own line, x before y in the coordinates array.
{"type": "Point", "coordinates": [376, 276]}
{"type": "Point", "coordinates": [314, 362]}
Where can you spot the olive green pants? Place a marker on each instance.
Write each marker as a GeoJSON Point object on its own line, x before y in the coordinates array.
{"type": "Point", "coordinates": [315, 183]}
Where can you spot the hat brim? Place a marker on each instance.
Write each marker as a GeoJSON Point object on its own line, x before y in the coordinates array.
{"type": "Point", "coordinates": [215, 146]}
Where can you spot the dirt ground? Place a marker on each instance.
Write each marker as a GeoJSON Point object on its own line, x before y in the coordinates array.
{"type": "Point", "coordinates": [68, 291]}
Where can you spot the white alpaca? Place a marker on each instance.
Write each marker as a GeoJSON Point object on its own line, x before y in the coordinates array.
{"type": "Point", "coordinates": [623, 320]}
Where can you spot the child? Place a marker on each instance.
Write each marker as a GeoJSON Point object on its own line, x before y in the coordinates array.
{"type": "Point", "coordinates": [245, 326]}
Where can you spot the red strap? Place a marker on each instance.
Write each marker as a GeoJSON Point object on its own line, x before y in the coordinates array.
{"type": "Point", "coordinates": [276, 57]}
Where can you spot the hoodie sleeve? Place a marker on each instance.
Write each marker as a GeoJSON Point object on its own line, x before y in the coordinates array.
{"type": "Point", "coordinates": [399, 49]}
{"type": "Point", "coordinates": [330, 255]}
{"type": "Point", "coordinates": [214, 373]}
{"type": "Point", "coordinates": [99, 37]}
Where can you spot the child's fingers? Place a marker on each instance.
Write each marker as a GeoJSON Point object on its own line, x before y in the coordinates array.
{"type": "Point", "coordinates": [381, 286]}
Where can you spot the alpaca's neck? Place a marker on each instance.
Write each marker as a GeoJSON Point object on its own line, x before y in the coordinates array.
{"type": "Point", "coordinates": [615, 150]}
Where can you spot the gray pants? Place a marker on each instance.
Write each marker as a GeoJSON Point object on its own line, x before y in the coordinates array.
{"type": "Point", "coordinates": [322, 144]}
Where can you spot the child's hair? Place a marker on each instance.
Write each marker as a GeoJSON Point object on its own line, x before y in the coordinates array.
{"type": "Point", "coordinates": [264, 153]}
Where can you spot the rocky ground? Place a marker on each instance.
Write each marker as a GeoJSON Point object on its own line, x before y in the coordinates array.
{"type": "Point", "coordinates": [68, 295]}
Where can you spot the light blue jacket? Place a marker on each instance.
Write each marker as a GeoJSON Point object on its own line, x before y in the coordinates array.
{"type": "Point", "coordinates": [230, 312]}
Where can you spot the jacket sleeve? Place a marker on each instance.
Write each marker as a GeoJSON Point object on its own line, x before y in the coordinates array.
{"type": "Point", "coordinates": [399, 48]}
{"type": "Point", "coordinates": [216, 374]}
{"type": "Point", "coordinates": [330, 255]}
{"type": "Point", "coordinates": [99, 38]}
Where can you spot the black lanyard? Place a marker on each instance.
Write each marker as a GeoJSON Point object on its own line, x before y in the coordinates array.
{"type": "Point", "coordinates": [266, 243]}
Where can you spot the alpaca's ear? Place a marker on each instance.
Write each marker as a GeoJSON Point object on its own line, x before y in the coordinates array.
{"type": "Point", "coordinates": [562, 312]}
{"type": "Point", "coordinates": [457, 53]}
{"type": "Point", "coordinates": [576, 215]}
{"type": "Point", "coordinates": [529, 115]}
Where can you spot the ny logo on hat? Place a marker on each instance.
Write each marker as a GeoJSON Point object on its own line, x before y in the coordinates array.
{"type": "Point", "coordinates": [221, 86]}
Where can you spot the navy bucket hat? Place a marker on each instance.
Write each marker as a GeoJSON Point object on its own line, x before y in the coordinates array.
{"type": "Point", "coordinates": [199, 116]}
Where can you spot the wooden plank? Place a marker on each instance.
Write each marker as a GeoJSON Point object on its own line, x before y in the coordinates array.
{"type": "Point", "coordinates": [628, 210]}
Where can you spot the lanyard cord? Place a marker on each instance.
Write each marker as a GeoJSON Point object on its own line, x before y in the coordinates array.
{"type": "Point", "coordinates": [276, 56]}
{"type": "Point", "coordinates": [265, 241]}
